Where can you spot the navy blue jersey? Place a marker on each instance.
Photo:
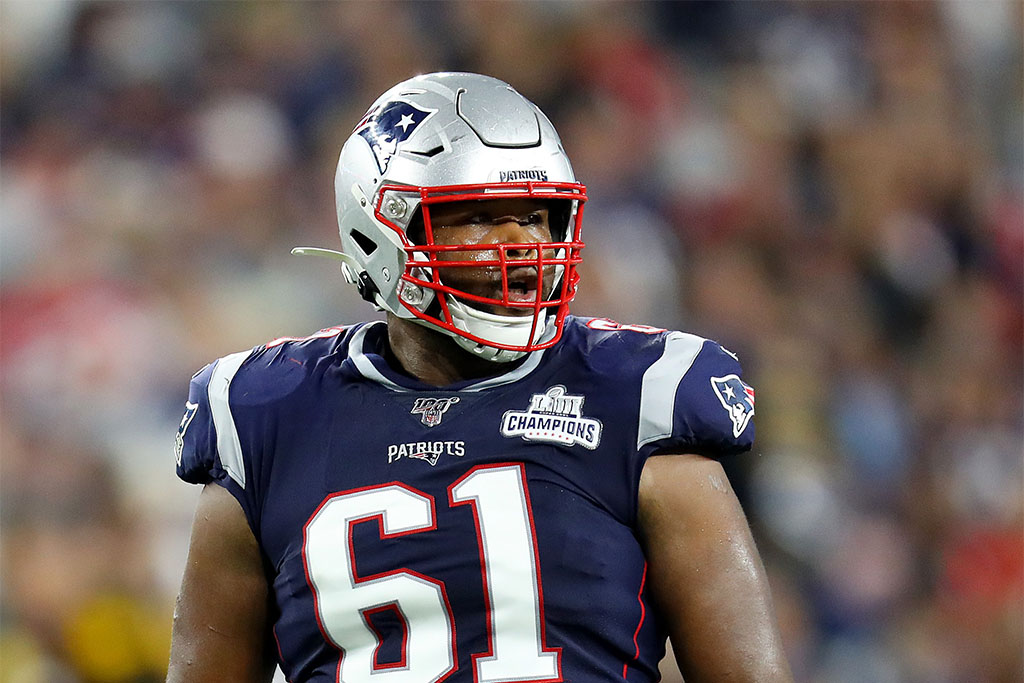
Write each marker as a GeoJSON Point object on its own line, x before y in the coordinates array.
{"type": "Point", "coordinates": [484, 531]}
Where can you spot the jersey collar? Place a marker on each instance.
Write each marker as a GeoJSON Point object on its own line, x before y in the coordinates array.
{"type": "Point", "coordinates": [364, 352]}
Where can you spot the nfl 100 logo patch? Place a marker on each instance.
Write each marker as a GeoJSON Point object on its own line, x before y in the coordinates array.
{"type": "Point", "coordinates": [555, 417]}
{"type": "Point", "coordinates": [431, 410]}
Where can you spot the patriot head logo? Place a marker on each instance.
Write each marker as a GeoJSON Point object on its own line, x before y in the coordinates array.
{"type": "Point", "coordinates": [387, 126]}
{"type": "Point", "coordinates": [738, 399]}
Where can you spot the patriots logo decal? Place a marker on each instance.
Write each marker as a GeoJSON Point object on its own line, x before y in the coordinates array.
{"type": "Point", "coordinates": [737, 398]}
{"type": "Point", "coordinates": [386, 127]}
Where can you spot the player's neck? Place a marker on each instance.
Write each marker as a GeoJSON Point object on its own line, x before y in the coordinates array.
{"type": "Point", "coordinates": [434, 358]}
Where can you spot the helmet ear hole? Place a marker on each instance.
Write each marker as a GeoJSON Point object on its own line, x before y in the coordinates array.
{"type": "Point", "coordinates": [416, 232]}
{"type": "Point", "coordinates": [559, 215]}
{"type": "Point", "coordinates": [365, 244]}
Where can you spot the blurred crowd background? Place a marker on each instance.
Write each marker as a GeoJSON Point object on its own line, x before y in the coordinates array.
{"type": "Point", "coordinates": [833, 190]}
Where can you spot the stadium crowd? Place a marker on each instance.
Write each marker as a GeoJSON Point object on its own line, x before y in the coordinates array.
{"type": "Point", "coordinates": [832, 190]}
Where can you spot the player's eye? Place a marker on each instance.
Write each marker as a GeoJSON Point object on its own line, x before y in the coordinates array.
{"type": "Point", "coordinates": [534, 218]}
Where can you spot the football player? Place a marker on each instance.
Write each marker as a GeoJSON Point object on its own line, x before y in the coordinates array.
{"type": "Point", "coordinates": [482, 488]}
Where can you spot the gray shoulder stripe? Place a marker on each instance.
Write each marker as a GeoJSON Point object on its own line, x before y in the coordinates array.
{"type": "Point", "coordinates": [658, 387]}
{"type": "Point", "coordinates": [228, 445]}
{"type": "Point", "coordinates": [363, 364]}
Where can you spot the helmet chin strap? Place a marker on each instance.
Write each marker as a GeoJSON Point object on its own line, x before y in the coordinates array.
{"type": "Point", "coordinates": [504, 329]}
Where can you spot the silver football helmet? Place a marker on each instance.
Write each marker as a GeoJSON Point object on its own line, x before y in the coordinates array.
{"type": "Point", "coordinates": [457, 137]}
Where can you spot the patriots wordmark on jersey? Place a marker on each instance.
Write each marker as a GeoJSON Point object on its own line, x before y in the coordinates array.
{"type": "Point", "coordinates": [481, 532]}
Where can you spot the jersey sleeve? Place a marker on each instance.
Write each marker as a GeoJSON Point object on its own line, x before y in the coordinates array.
{"type": "Point", "coordinates": [207, 446]}
{"type": "Point", "coordinates": [694, 400]}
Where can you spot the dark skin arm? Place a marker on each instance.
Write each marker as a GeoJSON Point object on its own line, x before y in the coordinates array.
{"type": "Point", "coordinates": [221, 626]}
{"type": "Point", "coordinates": [705, 573]}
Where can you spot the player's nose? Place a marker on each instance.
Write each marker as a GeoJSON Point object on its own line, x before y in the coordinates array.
{"type": "Point", "coordinates": [513, 230]}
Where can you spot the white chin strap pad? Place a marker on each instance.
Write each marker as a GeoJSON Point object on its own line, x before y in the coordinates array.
{"type": "Point", "coordinates": [503, 329]}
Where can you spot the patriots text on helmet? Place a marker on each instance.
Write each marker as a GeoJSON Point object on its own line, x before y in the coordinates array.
{"type": "Point", "coordinates": [513, 176]}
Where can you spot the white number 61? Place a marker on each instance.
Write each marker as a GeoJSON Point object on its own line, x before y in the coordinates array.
{"type": "Point", "coordinates": [512, 588]}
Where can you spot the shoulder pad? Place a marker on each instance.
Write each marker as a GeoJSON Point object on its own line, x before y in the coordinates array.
{"type": "Point", "coordinates": [693, 398]}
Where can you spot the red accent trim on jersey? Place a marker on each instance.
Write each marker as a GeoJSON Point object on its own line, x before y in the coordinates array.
{"type": "Point", "coordinates": [643, 613]}
{"type": "Point", "coordinates": [280, 655]}
{"type": "Point", "coordinates": [322, 334]}
{"type": "Point", "coordinates": [609, 325]}
{"type": "Point", "coordinates": [483, 570]}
